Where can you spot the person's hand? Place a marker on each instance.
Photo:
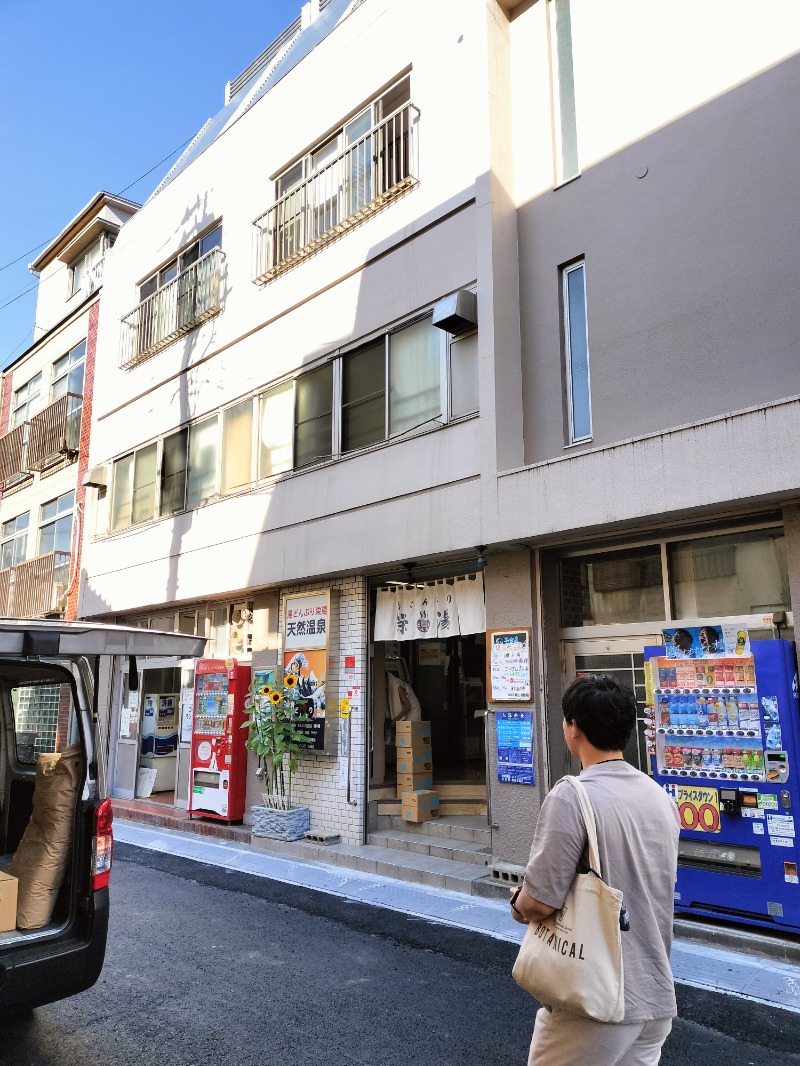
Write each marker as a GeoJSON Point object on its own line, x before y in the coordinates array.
{"type": "Point", "coordinates": [515, 913]}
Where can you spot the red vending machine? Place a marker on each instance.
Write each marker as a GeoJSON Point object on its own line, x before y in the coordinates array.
{"type": "Point", "coordinates": [219, 756]}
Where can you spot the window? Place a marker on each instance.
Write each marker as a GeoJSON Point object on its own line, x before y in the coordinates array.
{"type": "Point", "coordinates": [173, 473]}
{"type": "Point", "coordinates": [737, 574]}
{"type": "Point", "coordinates": [370, 160]}
{"type": "Point", "coordinates": [175, 299]}
{"type": "Point", "coordinates": [276, 420]}
{"type": "Point", "coordinates": [68, 373]}
{"type": "Point", "coordinates": [237, 447]}
{"type": "Point", "coordinates": [393, 385]}
{"type": "Point", "coordinates": [576, 350]}
{"type": "Point", "coordinates": [203, 455]}
{"type": "Point", "coordinates": [609, 587]}
{"type": "Point", "coordinates": [84, 271]}
{"type": "Point", "coordinates": [27, 401]}
{"type": "Point", "coordinates": [181, 262]}
{"type": "Point", "coordinates": [55, 526]}
{"type": "Point", "coordinates": [133, 495]}
{"type": "Point", "coordinates": [387, 388]}
{"type": "Point", "coordinates": [14, 546]}
{"type": "Point", "coordinates": [566, 130]}
{"type": "Point", "coordinates": [313, 424]}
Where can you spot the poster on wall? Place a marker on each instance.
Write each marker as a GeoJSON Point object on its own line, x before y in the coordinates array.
{"type": "Point", "coordinates": [514, 747]}
{"type": "Point", "coordinates": [305, 657]}
{"type": "Point", "coordinates": [707, 641]}
{"type": "Point", "coordinates": [509, 664]}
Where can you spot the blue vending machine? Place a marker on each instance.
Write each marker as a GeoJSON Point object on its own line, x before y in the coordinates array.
{"type": "Point", "coordinates": [726, 743]}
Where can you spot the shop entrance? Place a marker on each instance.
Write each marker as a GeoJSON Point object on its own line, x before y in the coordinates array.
{"type": "Point", "coordinates": [623, 658]}
{"type": "Point", "coordinates": [149, 763]}
{"type": "Point", "coordinates": [444, 683]}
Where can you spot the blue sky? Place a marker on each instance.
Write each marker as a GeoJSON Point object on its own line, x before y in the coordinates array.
{"type": "Point", "coordinates": [93, 95]}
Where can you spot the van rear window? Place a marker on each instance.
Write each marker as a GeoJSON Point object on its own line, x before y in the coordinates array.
{"type": "Point", "coordinates": [44, 719]}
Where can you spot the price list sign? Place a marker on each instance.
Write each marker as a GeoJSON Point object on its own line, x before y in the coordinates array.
{"type": "Point", "coordinates": [509, 665]}
{"type": "Point", "coordinates": [515, 747]}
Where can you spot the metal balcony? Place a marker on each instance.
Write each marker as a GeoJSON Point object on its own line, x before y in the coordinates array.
{"type": "Point", "coordinates": [178, 307]}
{"type": "Point", "coordinates": [37, 588]}
{"type": "Point", "coordinates": [367, 176]}
{"type": "Point", "coordinates": [12, 453]}
{"type": "Point", "coordinates": [55, 432]}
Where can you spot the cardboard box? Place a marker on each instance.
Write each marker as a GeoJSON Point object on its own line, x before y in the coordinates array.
{"type": "Point", "coordinates": [413, 782]}
{"type": "Point", "coordinates": [420, 806]}
{"type": "Point", "coordinates": [8, 902]}
{"type": "Point", "coordinates": [413, 735]}
{"type": "Point", "coordinates": [414, 761]}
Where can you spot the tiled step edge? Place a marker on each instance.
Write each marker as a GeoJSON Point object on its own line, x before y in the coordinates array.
{"type": "Point", "coordinates": [442, 847]}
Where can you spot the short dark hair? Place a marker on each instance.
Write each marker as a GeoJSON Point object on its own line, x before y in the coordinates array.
{"type": "Point", "coordinates": [603, 710]}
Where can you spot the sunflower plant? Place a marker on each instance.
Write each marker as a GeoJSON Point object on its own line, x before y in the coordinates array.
{"type": "Point", "coordinates": [273, 715]}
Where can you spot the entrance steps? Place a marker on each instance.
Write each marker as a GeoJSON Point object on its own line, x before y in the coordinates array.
{"type": "Point", "coordinates": [450, 852]}
{"type": "Point", "coordinates": [454, 799]}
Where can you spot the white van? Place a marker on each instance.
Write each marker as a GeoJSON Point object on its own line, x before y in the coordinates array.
{"type": "Point", "coordinates": [56, 680]}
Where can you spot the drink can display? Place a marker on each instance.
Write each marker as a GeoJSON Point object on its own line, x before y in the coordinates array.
{"type": "Point", "coordinates": [663, 712]}
{"type": "Point", "coordinates": [702, 712]}
{"type": "Point", "coordinates": [707, 758]}
{"type": "Point", "coordinates": [677, 758]}
{"type": "Point", "coordinates": [711, 713]}
{"type": "Point", "coordinates": [722, 716]}
{"type": "Point", "coordinates": [697, 757]}
{"type": "Point", "coordinates": [662, 677]}
{"type": "Point", "coordinates": [668, 756]}
{"type": "Point", "coordinates": [732, 711]}
{"type": "Point", "coordinates": [716, 758]}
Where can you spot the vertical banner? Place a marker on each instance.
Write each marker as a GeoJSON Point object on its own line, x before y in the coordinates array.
{"type": "Point", "coordinates": [306, 627]}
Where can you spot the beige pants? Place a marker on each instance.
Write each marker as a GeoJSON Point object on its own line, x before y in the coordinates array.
{"type": "Point", "coordinates": [562, 1039]}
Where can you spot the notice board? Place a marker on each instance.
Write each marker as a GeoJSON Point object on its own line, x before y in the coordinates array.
{"type": "Point", "coordinates": [508, 666]}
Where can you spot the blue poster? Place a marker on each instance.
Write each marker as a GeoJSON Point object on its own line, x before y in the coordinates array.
{"type": "Point", "coordinates": [515, 747]}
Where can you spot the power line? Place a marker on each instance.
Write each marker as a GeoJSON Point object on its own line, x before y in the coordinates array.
{"type": "Point", "coordinates": [136, 182]}
{"type": "Point", "coordinates": [19, 297]}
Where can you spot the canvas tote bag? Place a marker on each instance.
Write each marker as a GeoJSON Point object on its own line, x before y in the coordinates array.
{"type": "Point", "coordinates": [572, 960]}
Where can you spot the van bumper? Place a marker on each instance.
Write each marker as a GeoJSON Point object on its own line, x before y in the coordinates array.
{"type": "Point", "coordinates": [39, 973]}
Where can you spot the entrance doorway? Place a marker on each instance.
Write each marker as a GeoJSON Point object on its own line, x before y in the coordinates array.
{"type": "Point", "coordinates": [623, 658]}
{"type": "Point", "coordinates": [447, 679]}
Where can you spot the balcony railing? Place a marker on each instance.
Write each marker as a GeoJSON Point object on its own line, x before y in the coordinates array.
{"type": "Point", "coordinates": [178, 307]}
{"type": "Point", "coordinates": [37, 587]}
{"type": "Point", "coordinates": [55, 431]}
{"type": "Point", "coordinates": [367, 176]}
{"type": "Point", "coordinates": [12, 453]}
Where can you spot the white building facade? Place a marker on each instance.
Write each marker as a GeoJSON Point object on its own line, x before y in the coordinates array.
{"type": "Point", "coordinates": [345, 347]}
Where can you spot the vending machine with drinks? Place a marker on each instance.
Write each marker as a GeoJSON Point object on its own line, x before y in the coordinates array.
{"type": "Point", "coordinates": [219, 757]}
{"type": "Point", "coordinates": [725, 740]}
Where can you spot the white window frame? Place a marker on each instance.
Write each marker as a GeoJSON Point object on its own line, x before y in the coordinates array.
{"type": "Point", "coordinates": [13, 539]}
{"type": "Point", "coordinates": [178, 263]}
{"type": "Point", "coordinates": [57, 517]}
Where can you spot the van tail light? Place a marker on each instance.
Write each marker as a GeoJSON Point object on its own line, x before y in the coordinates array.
{"type": "Point", "coordinates": [102, 843]}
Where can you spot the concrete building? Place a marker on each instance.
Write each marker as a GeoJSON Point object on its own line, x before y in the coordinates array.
{"type": "Point", "coordinates": [345, 356]}
{"type": "Point", "coordinates": [45, 419]}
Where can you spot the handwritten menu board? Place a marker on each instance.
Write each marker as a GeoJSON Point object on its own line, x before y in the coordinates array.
{"type": "Point", "coordinates": [509, 666]}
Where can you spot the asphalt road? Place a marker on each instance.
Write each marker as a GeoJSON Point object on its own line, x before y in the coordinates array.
{"type": "Point", "coordinates": [208, 966]}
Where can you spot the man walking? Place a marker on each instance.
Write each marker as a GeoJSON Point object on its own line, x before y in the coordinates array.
{"type": "Point", "coordinates": [637, 831]}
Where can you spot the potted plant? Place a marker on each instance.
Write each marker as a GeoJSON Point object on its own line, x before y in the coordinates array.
{"type": "Point", "coordinates": [274, 714]}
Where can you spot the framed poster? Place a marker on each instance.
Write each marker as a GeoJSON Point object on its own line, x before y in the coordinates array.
{"type": "Point", "coordinates": [514, 747]}
{"type": "Point", "coordinates": [508, 665]}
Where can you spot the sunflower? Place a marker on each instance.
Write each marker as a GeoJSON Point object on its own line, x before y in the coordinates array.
{"type": "Point", "coordinates": [290, 681]}
{"type": "Point", "coordinates": [265, 690]}
{"type": "Point", "coordinates": [275, 697]}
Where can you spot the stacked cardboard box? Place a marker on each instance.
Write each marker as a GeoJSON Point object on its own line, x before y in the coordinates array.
{"type": "Point", "coordinates": [415, 772]}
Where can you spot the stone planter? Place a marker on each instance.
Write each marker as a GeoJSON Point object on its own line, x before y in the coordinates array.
{"type": "Point", "coordinates": [280, 825]}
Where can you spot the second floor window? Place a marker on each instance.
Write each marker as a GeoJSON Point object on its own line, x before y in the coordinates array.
{"type": "Point", "coordinates": [14, 548]}
{"type": "Point", "coordinates": [55, 526]}
{"type": "Point", "coordinates": [181, 262]}
{"type": "Point", "coordinates": [395, 384]}
{"type": "Point", "coordinates": [27, 401]}
{"type": "Point", "coordinates": [68, 373]}
{"type": "Point", "coordinates": [85, 271]}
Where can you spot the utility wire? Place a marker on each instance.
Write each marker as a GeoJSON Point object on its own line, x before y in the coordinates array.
{"type": "Point", "coordinates": [140, 178]}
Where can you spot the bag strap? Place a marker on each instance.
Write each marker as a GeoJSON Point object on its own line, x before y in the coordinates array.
{"type": "Point", "coordinates": [589, 821]}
